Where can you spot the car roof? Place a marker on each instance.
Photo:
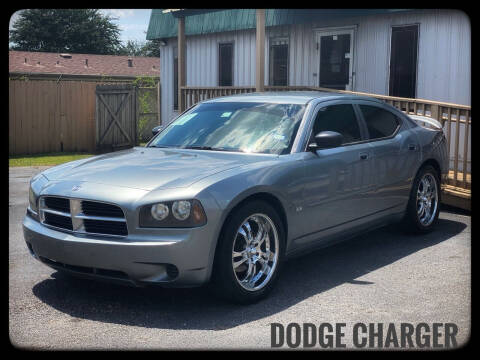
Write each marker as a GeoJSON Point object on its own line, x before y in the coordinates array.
{"type": "Point", "coordinates": [289, 97]}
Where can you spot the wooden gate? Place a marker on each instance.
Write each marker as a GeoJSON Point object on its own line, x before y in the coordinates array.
{"type": "Point", "coordinates": [116, 116]}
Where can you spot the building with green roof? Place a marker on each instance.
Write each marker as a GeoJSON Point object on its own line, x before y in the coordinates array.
{"type": "Point", "coordinates": [399, 52]}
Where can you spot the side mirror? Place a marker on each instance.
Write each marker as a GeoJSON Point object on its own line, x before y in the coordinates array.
{"type": "Point", "coordinates": [156, 129]}
{"type": "Point", "coordinates": [326, 140]}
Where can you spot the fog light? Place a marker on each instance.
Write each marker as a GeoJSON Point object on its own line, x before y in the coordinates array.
{"type": "Point", "coordinates": [181, 209]}
{"type": "Point", "coordinates": [172, 271]}
{"type": "Point", "coordinates": [159, 211]}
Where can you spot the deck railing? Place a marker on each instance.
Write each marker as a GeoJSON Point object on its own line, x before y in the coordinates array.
{"type": "Point", "coordinates": [455, 118]}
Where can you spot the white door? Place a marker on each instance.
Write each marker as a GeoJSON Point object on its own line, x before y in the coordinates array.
{"type": "Point", "coordinates": [335, 58]}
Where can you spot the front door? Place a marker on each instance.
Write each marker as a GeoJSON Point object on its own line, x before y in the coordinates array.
{"type": "Point", "coordinates": [335, 53]}
{"type": "Point", "coordinates": [337, 180]}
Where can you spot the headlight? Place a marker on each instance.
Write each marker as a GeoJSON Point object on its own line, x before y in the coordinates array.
{"type": "Point", "coordinates": [32, 200]}
{"type": "Point", "coordinates": [36, 185]}
{"type": "Point", "coordinates": [180, 213]}
{"type": "Point", "coordinates": [181, 209]}
{"type": "Point", "coordinates": [159, 211]}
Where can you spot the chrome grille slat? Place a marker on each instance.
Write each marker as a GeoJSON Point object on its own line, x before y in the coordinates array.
{"type": "Point", "coordinates": [58, 221]}
{"type": "Point", "coordinates": [83, 216]}
{"type": "Point", "coordinates": [100, 218]}
{"type": "Point", "coordinates": [59, 213]}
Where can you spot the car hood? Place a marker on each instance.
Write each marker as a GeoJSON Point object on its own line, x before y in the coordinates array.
{"type": "Point", "coordinates": [151, 168]}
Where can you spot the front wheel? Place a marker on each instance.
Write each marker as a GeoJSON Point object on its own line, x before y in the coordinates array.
{"type": "Point", "coordinates": [424, 204]}
{"type": "Point", "coordinates": [249, 253]}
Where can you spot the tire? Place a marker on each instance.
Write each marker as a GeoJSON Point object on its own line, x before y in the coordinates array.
{"type": "Point", "coordinates": [416, 220]}
{"type": "Point", "coordinates": [235, 282]}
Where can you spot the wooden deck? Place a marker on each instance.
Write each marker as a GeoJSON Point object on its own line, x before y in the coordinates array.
{"type": "Point", "coordinates": [468, 179]}
{"type": "Point", "coordinates": [458, 196]}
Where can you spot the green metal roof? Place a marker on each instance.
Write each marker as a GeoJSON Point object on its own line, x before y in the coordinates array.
{"type": "Point", "coordinates": [164, 25]}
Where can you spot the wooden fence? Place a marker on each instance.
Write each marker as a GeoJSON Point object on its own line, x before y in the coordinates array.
{"type": "Point", "coordinates": [54, 116]}
{"type": "Point", "coordinates": [455, 118]}
{"type": "Point", "coordinates": [50, 116]}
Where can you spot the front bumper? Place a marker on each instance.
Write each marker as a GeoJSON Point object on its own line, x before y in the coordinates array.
{"type": "Point", "coordinates": [180, 257]}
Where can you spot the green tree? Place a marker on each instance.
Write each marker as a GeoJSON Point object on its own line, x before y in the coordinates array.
{"type": "Point", "coordinates": [139, 48]}
{"type": "Point", "coordinates": [152, 48]}
{"type": "Point", "coordinates": [65, 30]}
{"type": "Point", "coordinates": [131, 48]}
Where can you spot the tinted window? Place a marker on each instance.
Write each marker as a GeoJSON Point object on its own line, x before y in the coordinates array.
{"type": "Point", "coordinates": [380, 123]}
{"type": "Point", "coordinates": [339, 118]}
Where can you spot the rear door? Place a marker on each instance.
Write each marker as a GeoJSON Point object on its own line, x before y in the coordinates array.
{"type": "Point", "coordinates": [396, 153]}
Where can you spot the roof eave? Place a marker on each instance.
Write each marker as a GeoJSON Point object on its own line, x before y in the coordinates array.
{"type": "Point", "coordinates": [74, 76]}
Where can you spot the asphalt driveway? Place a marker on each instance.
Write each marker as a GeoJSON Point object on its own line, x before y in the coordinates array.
{"type": "Point", "coordinates": [380, 277]}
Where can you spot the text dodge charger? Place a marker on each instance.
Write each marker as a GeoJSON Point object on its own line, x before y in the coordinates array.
{"type": "Point", "coordinates": [235, 185]}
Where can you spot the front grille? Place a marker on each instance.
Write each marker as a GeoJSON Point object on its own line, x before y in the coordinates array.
{"type": "Point", "coordinates": [58, 221]}
{"type": "Point", "coordinates": [56, 203]}
{"type": "Point", "coordinates": [101, 209]}
{"type": "Point", "coordinates": [105, 227]}
{"type": "Point", "coordinates": [83, 216]}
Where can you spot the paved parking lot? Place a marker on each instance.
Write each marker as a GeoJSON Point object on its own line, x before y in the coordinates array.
{"type": "Point", "coordinates": [380, 277]}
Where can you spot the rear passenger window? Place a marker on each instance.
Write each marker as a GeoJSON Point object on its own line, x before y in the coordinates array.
{"type": "Point", "coordinates": [380, 123]}
{"type": "Point", "coordinates": [339, 118]}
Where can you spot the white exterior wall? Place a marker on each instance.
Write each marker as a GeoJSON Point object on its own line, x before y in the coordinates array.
{"type": "Point", "coordinates": [444, 56]}
{"type": "Point", "coordinates": [166, 84]}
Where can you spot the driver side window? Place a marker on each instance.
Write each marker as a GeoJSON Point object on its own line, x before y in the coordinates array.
{"type": "Point", "coordinates": [340, 118]}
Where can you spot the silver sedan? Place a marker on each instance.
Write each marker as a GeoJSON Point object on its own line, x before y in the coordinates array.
{"type": "Point", "coordinates": [235, 185]}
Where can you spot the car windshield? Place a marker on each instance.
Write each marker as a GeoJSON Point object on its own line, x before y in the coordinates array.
{"type": "Point", "coordinates": [235, 126]}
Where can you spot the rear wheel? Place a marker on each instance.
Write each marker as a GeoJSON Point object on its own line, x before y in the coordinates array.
{"type": "Point", "coordinates": [424, 203]}
{"type": "Point", "coordinates": [249, 253]}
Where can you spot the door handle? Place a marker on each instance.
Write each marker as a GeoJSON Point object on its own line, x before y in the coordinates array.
{"type": "Point", "coordinates": [411, 147]}
{"type": "Point", "coordinates": [363, 156]}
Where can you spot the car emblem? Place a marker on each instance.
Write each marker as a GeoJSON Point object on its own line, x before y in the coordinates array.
{"type": "Point", "coordinates": [76, 187]}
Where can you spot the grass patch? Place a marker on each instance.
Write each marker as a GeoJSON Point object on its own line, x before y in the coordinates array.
{"type": "Point", "coordinates": [46, 159]}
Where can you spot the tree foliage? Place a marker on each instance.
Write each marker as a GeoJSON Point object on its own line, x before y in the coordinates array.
{"type": "Point", "coordinates": [139, 48]}
{"type": "Point", "coordinates": [152, 48]}
{"type": "Point", "coordinates": [65, 30]}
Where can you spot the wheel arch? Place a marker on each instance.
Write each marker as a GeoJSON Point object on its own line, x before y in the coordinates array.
{"type": "Point", "coordinates": [410, 218]}
{"type": "Point", "coordinates": [434, 163]}
{"type": "Point", "coordinates": [260, 195]}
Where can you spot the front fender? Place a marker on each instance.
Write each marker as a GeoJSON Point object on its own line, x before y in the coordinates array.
{"type": "Point", "coordinates": [278, 178]}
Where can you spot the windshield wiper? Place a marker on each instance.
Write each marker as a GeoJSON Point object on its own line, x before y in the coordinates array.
{"type": "Point", "coordinates": [162, 146]}
{"type": "Point", "coordinates": [197, 147]}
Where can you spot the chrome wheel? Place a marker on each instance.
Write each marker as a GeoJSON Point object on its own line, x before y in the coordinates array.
{"type": "Point", "coordinates": [427, 199]}
{"type": "Point", "coordinates": [255, 252]}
